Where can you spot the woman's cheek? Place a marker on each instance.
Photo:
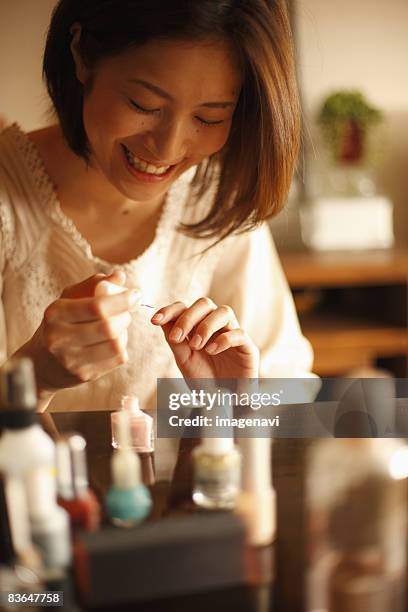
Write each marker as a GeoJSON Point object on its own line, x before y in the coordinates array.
{"type": "Point", "coordinates": [215, 139]}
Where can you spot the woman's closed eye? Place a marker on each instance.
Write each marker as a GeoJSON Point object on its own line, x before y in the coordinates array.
{"type": "Point", "coordinates": [151, 111]}
{"type": "Point", "coordinates": [141, 109]}
{"type": "Point", "coordinates": [206, 122]}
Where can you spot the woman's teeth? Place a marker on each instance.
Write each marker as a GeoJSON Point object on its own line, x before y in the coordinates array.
{"type": "Point", "coordinates": [143, 166]}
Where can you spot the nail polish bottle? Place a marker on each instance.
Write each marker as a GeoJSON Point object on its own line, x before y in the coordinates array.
{"type": "Point", "coordinates": [74, 494]}
{"type": "Point", "coordinates": [15, 533]}
{"type": "Point", "coordinates": [217, 473]}
{"type": "Point", "coordinates": [357, 522]}
{"type": "Point", "coordinates": [18, 574]}
{"type": "Point", "coordinates": [17, 515]}
{"type": "Point", "coordinates": [128, 501]}
{"type": "Point", "coordinates": [7, 553]}
{"type": "Point", "coordinates": [50, 529]}
{"type": "Point", "coordinates": [256, 503]}
{"type": "Point", "coordinates": [27, 459]}
{"type": "Point", "coordinates": [24, 445]}
{"type": "Point", "coordinates": [141, 425]}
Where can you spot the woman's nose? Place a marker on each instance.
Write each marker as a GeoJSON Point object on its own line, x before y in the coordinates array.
{"type": "Point", "coordinates": [168, 142]}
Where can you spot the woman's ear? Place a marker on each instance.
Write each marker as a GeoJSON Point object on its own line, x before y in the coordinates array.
{"type": "Point", "coordinates": [81, 71]}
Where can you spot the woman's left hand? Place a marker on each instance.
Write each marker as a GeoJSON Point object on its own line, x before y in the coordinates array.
{"type": "Point", "coordinates": [207, 341]}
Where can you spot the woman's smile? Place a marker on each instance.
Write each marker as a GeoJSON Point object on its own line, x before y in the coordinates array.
{"type": "Point", "coordinates": [144, 171]}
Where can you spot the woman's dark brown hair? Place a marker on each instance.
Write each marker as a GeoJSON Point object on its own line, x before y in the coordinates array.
{"type": "Point", "coordinates": [255, 167]}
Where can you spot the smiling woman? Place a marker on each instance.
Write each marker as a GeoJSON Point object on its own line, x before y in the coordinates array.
{"type": "Point", "coordinates": [155, 122]}
{"type": "Point", "coordinates": [184, 117]}
{"type": "Point", "coordinates": [254, 36]}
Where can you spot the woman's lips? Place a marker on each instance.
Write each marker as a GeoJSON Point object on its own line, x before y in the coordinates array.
{"type": "Point", "coordinates": [145, 177]}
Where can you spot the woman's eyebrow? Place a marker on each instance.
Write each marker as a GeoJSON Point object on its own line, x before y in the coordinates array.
{"type": "Point", "coordinates": [163, 94]}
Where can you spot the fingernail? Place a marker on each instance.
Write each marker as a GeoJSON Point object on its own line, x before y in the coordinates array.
{"type": "Point", "coordinates": [196, 340]}
{"type": "Point", "coordinates": [159, 316]}
{"type": "Point", "coordinates": [211, 348]}
{"type": "Point", "coordinates": [176, 334]}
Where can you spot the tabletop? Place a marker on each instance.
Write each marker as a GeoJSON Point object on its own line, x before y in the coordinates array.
{"type": "Point", "coordinates": [274, 576]}
{"type": "Point", "coordinates": [172, 498]}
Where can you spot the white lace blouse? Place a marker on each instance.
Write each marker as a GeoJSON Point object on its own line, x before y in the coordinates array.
{"type": "Point", "coordinates": [41, 252]}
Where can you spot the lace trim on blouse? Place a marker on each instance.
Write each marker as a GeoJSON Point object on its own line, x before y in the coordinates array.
{"type": "Point", "coordinates": [169, 218]}
{"type": "Point", "coordinates": [7, 231]}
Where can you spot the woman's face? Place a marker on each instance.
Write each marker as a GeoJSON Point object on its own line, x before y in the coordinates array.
{"type": "Point", "coordinates": [156, 110]}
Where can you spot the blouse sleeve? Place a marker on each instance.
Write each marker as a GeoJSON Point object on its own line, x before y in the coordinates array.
{"type": "Point", "coordinates": [249, 278]}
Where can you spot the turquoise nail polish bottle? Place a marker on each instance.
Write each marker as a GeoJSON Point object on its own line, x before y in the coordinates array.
{"type": "Point", "coordinates": [128, 501]}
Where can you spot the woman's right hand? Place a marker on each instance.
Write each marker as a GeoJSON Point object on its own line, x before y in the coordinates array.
{"type": "Point", "coordinates": [82, 335]}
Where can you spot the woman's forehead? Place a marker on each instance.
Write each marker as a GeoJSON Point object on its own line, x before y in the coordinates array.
{"type": "Point", "coordinates": [209, 66]}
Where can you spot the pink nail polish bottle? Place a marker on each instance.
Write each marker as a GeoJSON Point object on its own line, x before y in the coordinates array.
{"type": "Point", "coordinates": [141, 426]}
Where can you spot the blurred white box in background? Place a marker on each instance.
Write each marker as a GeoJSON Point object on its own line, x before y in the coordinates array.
{"type": "Point", "coordinates": [336, 223]}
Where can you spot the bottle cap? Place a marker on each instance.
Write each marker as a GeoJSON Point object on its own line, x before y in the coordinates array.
{"type": "Point", "coordinates": [217, 446]}
{"type": "Point", "coordinates": [126, 471]}
{"type": "Point", "coordinates": [18, 398]}
{"type": "Point", "coordinates": [17, 384]}
{"type": "Point", "coordinates": [72, 476]}
{"type": "Point", "coordinates": [131, 403]}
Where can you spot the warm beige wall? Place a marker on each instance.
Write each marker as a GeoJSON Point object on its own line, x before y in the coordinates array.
{"type": "Point", "coordinates": [23, 25]}
{"type": "Point", "coordinates": [350, 43]}
{"type": "Point", "coordinates": [362, 44]}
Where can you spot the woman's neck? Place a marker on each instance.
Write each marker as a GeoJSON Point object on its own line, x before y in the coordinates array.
{"type": "Point", "coordinates": [82, 186]}
{"type": "Point", "coordinates": [117, 229]}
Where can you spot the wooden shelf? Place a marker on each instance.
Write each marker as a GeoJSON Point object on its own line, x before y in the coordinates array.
{"type": "Point", "coordinates": [354, 333]}
{"type": "Point", "coordinates": [306, 269]}
{"type": "Point", "coordinates": [362, 309]}
{"type": "Point", "coordinates": [341, 344]}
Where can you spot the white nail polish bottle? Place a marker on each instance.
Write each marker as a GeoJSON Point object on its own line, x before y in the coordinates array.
{"type": "Point", "coordinates": [217, 473]}
{"type": "Point", "coordinates": [49, 522]}
{"type": "Point", "coordinates": [18, 573]}
{"type": "Point", "coordinates": [217, 464]}
{"type": "Point", "coordinates": [23, 444]}
{"type": "Point", "coordinates": [27, 456]}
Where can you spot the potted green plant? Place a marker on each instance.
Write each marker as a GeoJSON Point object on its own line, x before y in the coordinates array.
{"type": "Point", "coordinates": [345, 208]}
{"type": "Point", "coordinates": [345, 119]}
